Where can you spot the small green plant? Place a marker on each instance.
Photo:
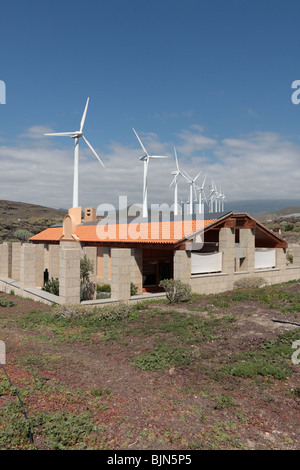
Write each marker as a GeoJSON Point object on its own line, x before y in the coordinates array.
{"type": "Point", "coordinates": [6, 303]}
{"type": "Point", "coordinates": [52, 286]}
{"type": "Point", "coordinates": [289, 258]}
{"type": "Point", "coordinates": [12, 292]}
{"type": "Point", "coordinates": [100, 392]}
{"type": "Point", "coordinates": [176, 290]}
{"type": "Point", "coordinates": [133, 289]}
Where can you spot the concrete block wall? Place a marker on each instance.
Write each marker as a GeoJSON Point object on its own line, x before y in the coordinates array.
{"type": "Point", "coordinates": [120, 273]}
{"type": "Point", "coordinates": [5, 260]}
{"type": "Point", "coordinates": [15, 260]}
{"type": "Point", "coordinates": [136, 268]}
{"type": "Point", "coordinates": [182, 265]}
{"type": "Point", "coordinates": [69, 272]}
{"type": "Point", "coordinates": [27, 265]}
{"type": "Point", "coordinates": [53, 268]}
{"type": "Point", "coordinates": [247, 242]}
{"type": "Point", "coordinates": [227, 247]}
{"type": "Point", "coordinates": [294, 250]}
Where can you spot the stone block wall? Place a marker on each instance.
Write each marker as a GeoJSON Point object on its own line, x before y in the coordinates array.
{"type": "Point", "coordinates": [136, 268]}
{"type": "Point", "coordinates": [69, 272]}
{"type": "Point", "coordinates": [120, 273]}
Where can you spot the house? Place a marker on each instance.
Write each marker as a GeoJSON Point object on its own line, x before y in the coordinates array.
{"type": "Point", "coordinates": [210, 253]}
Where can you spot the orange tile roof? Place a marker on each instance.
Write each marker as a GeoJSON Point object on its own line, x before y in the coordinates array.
{"type": "Point", "coordinates": [134, 232]}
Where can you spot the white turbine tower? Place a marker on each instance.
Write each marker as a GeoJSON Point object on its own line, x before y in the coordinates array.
{"type": "Point", "coordinates": [192, 183]}
{"type": "Point", "coordinates": [176, 173]}
{"type": "Point", "coordinates": [217, 197]}
{"type": "Point", "coordinates": [211, 198]}
{"type": "Point", "coordinates": [200, 191]}
{"type": "Point", "coordinates": [76, 136]}
{"type": "Point", "coordinates": [146, 159]}
{"type": "Point", "coordinates": [223, 199]}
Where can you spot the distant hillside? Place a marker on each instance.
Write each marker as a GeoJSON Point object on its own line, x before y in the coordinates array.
{"type": "Point", "coordinates": [21, 210]}
{"type": "Point", "coordinates": [262, 207]}
{"type": "Point", "coordinates": [23, 216]}
{"type": "Point", "coordinates": [272, 216]}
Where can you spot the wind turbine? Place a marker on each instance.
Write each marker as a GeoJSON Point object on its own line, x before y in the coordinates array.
{"type": "Point", "coordinates": [76, 136]}
{"type": "Point", "coordinates": [223, 199]}
{"type": "Point", "coordinates": [211, 198]}
{"type": "Point", "coordinates": [200, 190]}
{"type": "Point", "coordinates": [176, 173]}
{"type": "Point", "coordinates": [146, 159]}
{"type": "Point", "coordinates": [192, 183]}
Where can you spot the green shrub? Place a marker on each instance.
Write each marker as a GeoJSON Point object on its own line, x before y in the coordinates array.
{"type": "Point", "coordinates": [108, 313]}
{"type": "Point", "coordinates": [87, 287]}
{"type": "Point", "coordinates": [249, 283]}
{"type": "Point", "coordinates": [52, 286]}
{"type": "Point", "coordinates": [133, 289]}
{"type": "Point", "coordinates": [176, 290]}
{"type": "Point", "coordinates": [103, 288]}
{"type": "Point", "coordinates": [22, 234]}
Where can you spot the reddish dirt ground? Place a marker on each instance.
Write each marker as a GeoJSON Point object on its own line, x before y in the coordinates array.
{"type": "Point", "coordinates": [198, 406]}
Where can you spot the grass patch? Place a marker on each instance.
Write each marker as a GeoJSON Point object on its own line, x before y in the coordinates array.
{"type": "Point", "coordinates": [273, 359]}
{"type": "Point", "coordinates": [163, 357]}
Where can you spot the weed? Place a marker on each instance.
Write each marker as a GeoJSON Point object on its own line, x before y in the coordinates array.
{"type": "Point", "coordinates": [163, 357]}
{"type": "Point", "coordinates": [6, 303]}
{"type": "Point", "coordinates": [99, 392]}
{"type": "Point", "coordinates": [224, 401]}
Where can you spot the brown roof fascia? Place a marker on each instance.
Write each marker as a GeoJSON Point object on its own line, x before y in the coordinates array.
{"type": "Point", "coordinates": [282, 243]}
{"type": "Point", "coordinates": [211, 226]}
{"type": "Point", "coordinates": [230, 221]}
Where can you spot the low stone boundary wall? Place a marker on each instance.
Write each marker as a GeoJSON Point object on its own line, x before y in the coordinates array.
{"type": "Point", "coordinates": [8, 285]}
{"type": "Point", "coordinates": [221, 282]}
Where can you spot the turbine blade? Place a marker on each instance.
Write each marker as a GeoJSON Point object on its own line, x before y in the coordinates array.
{"type": "Point", "coordinates": [69, 134]}
{"type": "Point", "coordinates": [140, 142]}
{"type": "Point", "coordinates": [186, 176]}
{"type": "Point", "coordinates": [198, 175]}
{"type": "Point", "coordinates": [94, 152]}
{"type": "Point", "coordinates": [173, 181]}
{"type": "Point", "coordinates": [176, 159]}
{"type": "Point", "coordinates": [84, 115]}
{"type": "Point", "coordinates": [157, 156]}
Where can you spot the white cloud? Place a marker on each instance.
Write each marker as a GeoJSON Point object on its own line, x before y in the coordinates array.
{"type": "Point", "coordinates": [35, 132]}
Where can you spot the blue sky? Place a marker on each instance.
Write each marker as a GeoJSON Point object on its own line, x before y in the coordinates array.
{"type": "Point", "coordinates": [212, 77]}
